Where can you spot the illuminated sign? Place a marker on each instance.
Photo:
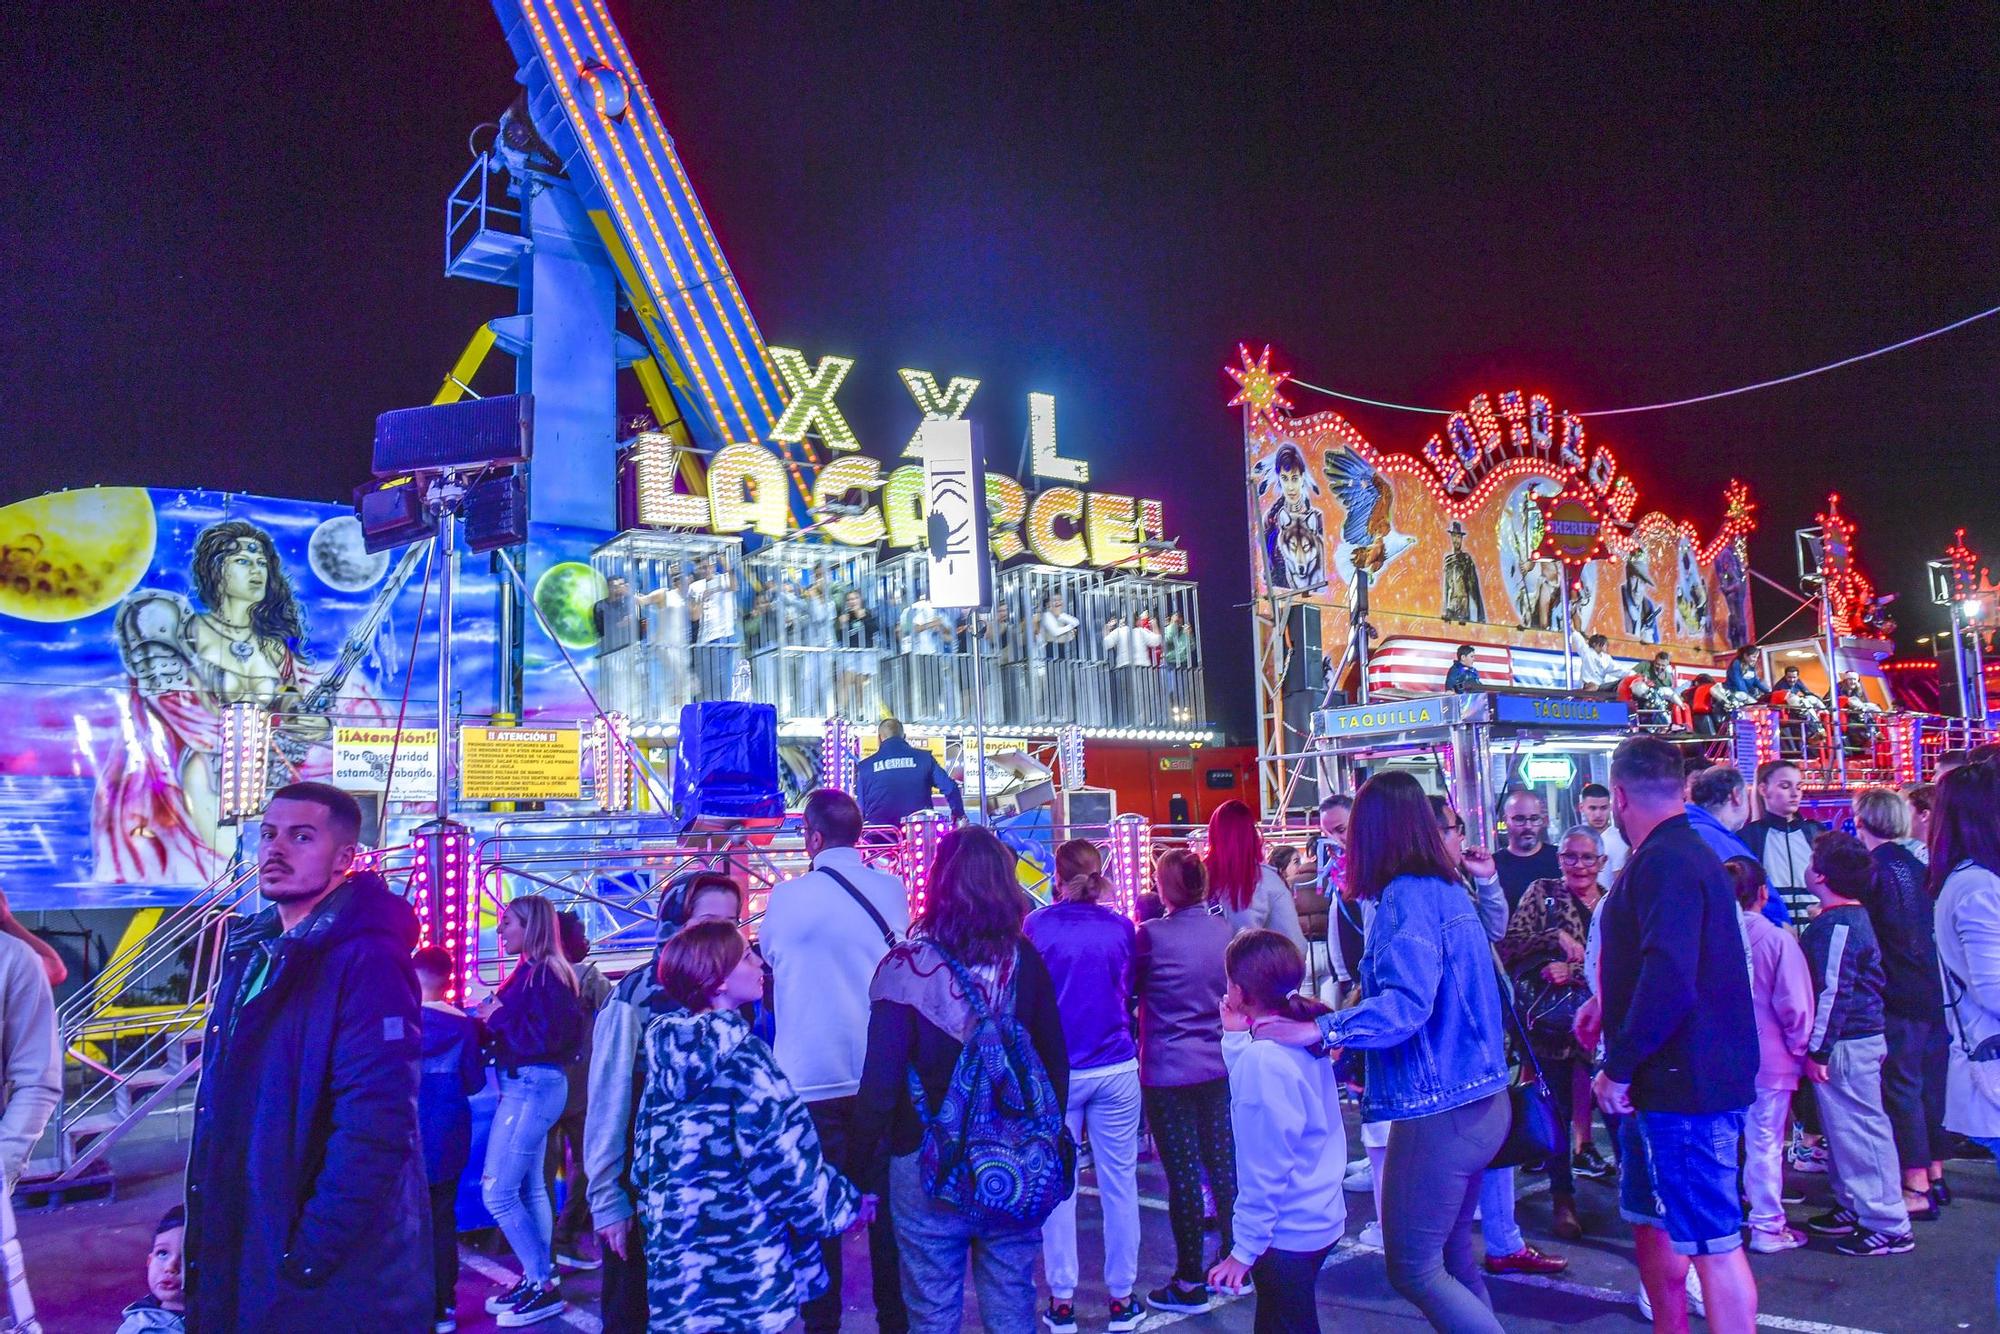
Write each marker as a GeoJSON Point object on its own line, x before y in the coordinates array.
{"type": "Point", "coordinates": [520, 763]}
{"type": "Point", "coordinates": [1394, 717]}
{"type": "Point", "coordinates": [861, 504]}
{"type": "Point", "coordinates": [1561, 709]}
{"type": "Point", "coordinates": [1557, 769]}
{"type": "Point", "coordinates": [1572, 528]}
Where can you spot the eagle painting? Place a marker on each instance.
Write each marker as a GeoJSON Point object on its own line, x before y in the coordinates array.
{"type": "Point", "coordinates": [1368, 538]}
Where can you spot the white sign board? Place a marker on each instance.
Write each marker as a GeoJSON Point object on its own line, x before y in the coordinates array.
{"type": "Point", "coordinates": [955, 503]}
{"type": "Point", "coordinates": [361, 761]}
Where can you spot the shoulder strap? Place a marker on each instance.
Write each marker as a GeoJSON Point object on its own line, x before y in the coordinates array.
{"type": "Point", "coordinates": [1513, 1021]}
{"type": "Point", "coordinates": [888, 936]}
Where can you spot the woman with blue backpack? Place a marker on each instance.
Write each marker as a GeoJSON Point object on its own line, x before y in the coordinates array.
{"type": "Point", "coordinates": [966, 1082]}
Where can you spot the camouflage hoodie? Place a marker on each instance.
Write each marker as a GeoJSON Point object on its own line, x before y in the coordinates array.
{"type": "Point", "coordinates": [732, 1185]}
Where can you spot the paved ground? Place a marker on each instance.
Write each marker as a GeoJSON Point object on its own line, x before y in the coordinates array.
{"type": "Point", "coordinates": [87, 1260]}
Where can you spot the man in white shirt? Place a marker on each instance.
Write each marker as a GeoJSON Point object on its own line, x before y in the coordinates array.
{"type": "Point", "coordinates": [1129, 645]}
{"type": "Point", "coordinates": [823, 935]}
{"type": "Point", "coordinates": [1593, 803]}
{"type": "Point", "coordinates": [1596, 669]}
{"type": "Point", "coordinates": [1057, 627]}
{"type": "Point", "coordinates": [714, 597]}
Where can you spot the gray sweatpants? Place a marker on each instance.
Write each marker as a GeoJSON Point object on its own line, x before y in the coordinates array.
{"type": "Point", "coordinates": [1866, 1173]}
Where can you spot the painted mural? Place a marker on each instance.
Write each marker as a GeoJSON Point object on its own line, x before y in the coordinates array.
{"type": "Point", "coordinates": [1449, 535]}
{"type": "Point", "coordinates": [131, 618]}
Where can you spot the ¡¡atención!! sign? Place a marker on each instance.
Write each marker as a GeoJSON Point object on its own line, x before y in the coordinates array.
{"type": "Point", "coordinates": [520, 764]}
{"type": "Point", "coordinates": [750, 485]}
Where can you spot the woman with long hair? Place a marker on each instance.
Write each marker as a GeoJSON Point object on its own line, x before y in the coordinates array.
{"type": "Point", "coordinates": [535, 1023]}
{"type": "Point", "coordinates": [1285, 1108]}
{"type": "Point", "coordinates": [1429, 1026]}
{"type": "Point", "coordinates": [1089, 949]}
{"type": "Point", "coordinates": [965, 958]}
{"type": "Point", "coordinates": [719, 1123]}
{"type": "Point", "coordinates": [1965, 877]}
{"type": "Point", "coordinates": [1250, 891]}
{"type": "Point", "coordinates": [1181, 982]}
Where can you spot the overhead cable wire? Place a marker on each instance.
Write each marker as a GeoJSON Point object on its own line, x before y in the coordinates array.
{"type": "Point", "coordinates": [1686, 402]}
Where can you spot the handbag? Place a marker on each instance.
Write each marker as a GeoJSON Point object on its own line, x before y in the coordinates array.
{"type": "Point", "coordinates": [1982, 1063]}
{"type": "Point", "coordinates": [1535, 1131]}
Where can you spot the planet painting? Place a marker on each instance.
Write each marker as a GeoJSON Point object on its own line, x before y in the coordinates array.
{"type": "Point", "coordinates": [72, 554]}
{"type": "Point", "coordinates": [566, 594]}
{"type": "Point", "coordinates": [341, 559]}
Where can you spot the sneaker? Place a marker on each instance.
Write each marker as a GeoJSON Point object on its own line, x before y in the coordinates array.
{"type": "Point", "coordinates": [1876, 1243]}
{"type": "Point", "coordinates": [1770, 1241]}
{"type": "Point", "coordinates": [1804, 1157]}
{"type": "Point", "coordinates": [1696, 1306]}
{"type": "Point", "coordinates": [446, 1323]}
{"type": "Point", "coordinates": [1190, 1298]}
{"type": "Point", "coordinates": [581, 1253]}
{"type": "Point", "coordinates": [1527, 1260]}
{"type": "Point", "coordinates": [1060, 1316]}
{"type": "Point", "coordinates": [1592, 1164]}
{"type": "Point", "coordinates": [1790, 1194]}
{"type": "Point", "coordinates": [504, 1301]}
{"type": "Point", "coordinates": [1126, 1313]}
{"type": "Point", "coordinates": [542, 1302]}
{"type": "Point", "coordinates": [1360, 1177]}
{"type": "Point", "coordinates": [1839, 1222]}
{"type": "Point", "coordinates": [1371, 1235]}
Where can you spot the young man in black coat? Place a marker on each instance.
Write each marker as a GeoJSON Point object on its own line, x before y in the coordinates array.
{"type": "Point", "coordinates": [305, 1186]}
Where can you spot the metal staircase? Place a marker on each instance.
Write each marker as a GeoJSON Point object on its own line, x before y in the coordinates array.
{"type": "Point", "coordinates": [131, 1040]}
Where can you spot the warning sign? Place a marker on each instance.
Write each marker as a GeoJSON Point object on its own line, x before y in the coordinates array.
{"type": "Point", "coordinates": [361, 758]}
{"type": "Point", "coordinates": [520, 763]}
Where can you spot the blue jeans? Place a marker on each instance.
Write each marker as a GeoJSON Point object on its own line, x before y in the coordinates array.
{"type": "Point", "coordinates": [511, 1184]}
{"type": "Point", "coordinates": [1496, 1213]}
{"type": "Point", "coordinates": [936, 1241]}
{"type": "Point", "coordinates": [1678, 1173]}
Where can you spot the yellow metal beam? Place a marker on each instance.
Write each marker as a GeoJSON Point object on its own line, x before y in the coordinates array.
{"type": "Point", "coordinates": [661, 400]}
{"type": "Point", "coordinates": [467, 366]}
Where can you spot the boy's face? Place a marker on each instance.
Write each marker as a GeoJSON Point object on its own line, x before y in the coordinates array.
{"type": "Point", "coordinates": [163, 1268]}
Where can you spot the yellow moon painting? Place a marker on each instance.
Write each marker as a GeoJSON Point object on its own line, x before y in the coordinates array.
{"type": "Point", "coordinates": [72, 554]}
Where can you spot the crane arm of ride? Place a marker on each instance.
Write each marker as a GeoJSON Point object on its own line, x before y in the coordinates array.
{"type": "Point", "coordinates": [588, 102]}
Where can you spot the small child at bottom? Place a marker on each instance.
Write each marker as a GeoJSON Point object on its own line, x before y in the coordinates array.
{"type": "Point", "coordinates": [161, 1308]}
{"type": "Point", "coordinates": [1291, 1146]}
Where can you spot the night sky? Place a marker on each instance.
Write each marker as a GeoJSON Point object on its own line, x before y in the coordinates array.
{"type": "Point", "coordinates": [221, 248]}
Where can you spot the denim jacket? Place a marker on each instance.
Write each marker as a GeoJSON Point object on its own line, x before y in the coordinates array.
{"type": "Point", "coordinates": [1429, 1022]}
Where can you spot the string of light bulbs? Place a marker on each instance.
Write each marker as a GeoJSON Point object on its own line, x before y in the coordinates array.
{"type": "Point", "coordinates": [1678, 402]}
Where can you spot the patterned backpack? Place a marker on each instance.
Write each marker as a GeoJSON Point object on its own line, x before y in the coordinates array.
{"type": "Point", "coordinates": [998, 1149]}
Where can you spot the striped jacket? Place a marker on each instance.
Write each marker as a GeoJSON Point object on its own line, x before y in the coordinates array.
{"type": "Point", "coordinates": [1846, 963]}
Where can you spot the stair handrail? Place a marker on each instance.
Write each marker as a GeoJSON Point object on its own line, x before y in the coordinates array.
{"type": "Point", "coordinates": [167, 936]}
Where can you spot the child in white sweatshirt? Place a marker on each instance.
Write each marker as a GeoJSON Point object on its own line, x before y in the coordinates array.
{"type": "Point", "coordinates": [1291, 1148]}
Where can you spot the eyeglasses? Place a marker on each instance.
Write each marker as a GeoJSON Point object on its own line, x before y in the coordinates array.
{"type": "Point", "coordinates": [1457, 827]}
{"type": "Point", "coordinates": [1576, 857]}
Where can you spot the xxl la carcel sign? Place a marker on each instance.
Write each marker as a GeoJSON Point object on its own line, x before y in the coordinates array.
{"type": "Point", "coordinates": [861, 504]}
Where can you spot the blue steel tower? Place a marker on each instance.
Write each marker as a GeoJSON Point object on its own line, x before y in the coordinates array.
{"type": "Point", "coordinates": [583, 206]}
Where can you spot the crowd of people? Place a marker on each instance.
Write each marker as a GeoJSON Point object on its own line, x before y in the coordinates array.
{"type": "Point", "coordinates": [1702, 704]}
{"type": "Point", "coordinates": [723, 1115]}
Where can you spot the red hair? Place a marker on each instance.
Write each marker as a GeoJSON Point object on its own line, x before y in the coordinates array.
{"type": "Point", "coordinates": [1235, 855]}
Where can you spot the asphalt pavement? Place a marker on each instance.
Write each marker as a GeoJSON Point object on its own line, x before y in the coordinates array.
{"type": "Point", "coordinates": [86, 1261]}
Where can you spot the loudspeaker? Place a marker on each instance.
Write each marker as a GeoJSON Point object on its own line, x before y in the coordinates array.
{"type": "Point", "coordinates": [479, 432]}
{"type": "Point", "coordinates": [496, 513]}
{"type": "Point", "coordinates": [392, 513]}
{"type": "Point", "coordinates": [1305, 668]}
